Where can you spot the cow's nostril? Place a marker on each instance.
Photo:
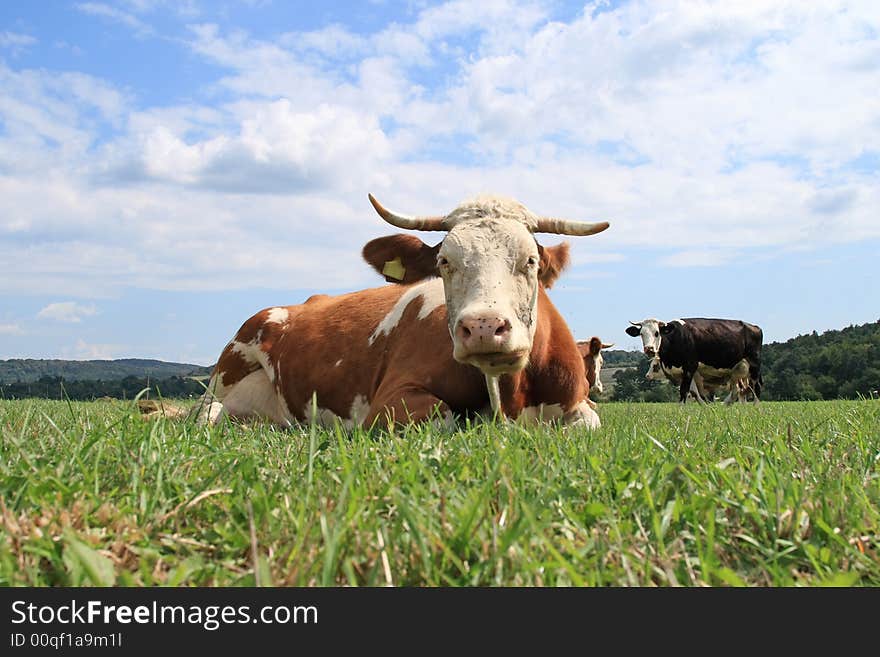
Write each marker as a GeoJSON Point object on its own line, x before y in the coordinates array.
{"type": "Point", "coordinates": [466, 332]}
{"type": "Point", "coordinates": [502, 327]}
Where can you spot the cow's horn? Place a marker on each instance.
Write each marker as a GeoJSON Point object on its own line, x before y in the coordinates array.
{"type": "Point", "coordinates": [634, 323]}
{"type": "Point", "coordinates": [569, 227]}
{"type": "Point", "coordinates": [409, 223]}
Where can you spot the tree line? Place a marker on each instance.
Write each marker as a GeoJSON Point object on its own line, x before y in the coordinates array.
{"type": "Point", "coordinates": [56, 387]}
{"type": "Point", "coordinates": [842, 364]}
{"type": "Point", "coordinates": [30, 370]}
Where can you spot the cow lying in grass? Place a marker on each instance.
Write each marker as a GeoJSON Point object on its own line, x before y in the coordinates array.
{"type": "Point", "coordinates": [469, 326]}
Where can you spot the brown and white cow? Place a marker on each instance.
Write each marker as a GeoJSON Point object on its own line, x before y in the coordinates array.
{"type": "Point", "coordinates": [469, 311]}
{"type": "Point", "coordinates": [591, 351]}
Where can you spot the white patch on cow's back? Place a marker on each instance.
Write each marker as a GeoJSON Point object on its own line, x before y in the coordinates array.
{"type": "Point", "coordinates": [338, 363]}
{"type": "Point", "coordinates": [431, 293]}
{"type": "Point", "coordinates": [680, 321]}
{"type": "Point", "coordinates": [252, 353]}
{"type": "Point", "coordinates": [278, 315]}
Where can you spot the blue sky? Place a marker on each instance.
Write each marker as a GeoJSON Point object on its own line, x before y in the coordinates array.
{"type": "Point", "coordinates": [168, 168]}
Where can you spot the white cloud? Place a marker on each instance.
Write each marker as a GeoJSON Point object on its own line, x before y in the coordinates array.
{"type": "Point", "coordinates": [698, 258]}
{"type": "Point", "coordinates": [276, 149]}
{"type": "Point", "coordinates": [93, 351]}
{"type": "Point", "coordinates": [67, 311]}
{"type": "Point", "coordinates": [330, 41]}
{"type": "Point", "coordinates": [9, 328]}
{"type": "Point", "coordinates": [51, 119]}
{"type": "Point", "coordinates": [579, 259]}
{"type": "Point", "coordinates": [16, 42]}
{"type": "Point", "coordinates": [184, 8]}
{"type": "Point", "coordinates": [702, 129]}
{"type": "Point", "coordinates": [116, 15]}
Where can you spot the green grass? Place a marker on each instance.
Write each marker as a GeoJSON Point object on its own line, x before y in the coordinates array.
{"type": "Point", "coordinates": [778, 494]}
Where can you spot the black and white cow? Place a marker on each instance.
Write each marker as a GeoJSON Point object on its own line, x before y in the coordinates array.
{"type": "Point", "coordinates": [695, 342]}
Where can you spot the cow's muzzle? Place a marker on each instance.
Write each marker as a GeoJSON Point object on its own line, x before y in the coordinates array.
{"type": "Point", "coordinates": [487, 339]}
{"type": "Point", "coordinates": [499, 363]}
{"type": "Point", "coordinates": [483, 333]}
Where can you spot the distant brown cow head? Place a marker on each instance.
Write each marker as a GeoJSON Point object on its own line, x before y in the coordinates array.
{"type": "Point", "coordinates": [591, 352]}
{"type": "Point", "coordinates": [491, 266]}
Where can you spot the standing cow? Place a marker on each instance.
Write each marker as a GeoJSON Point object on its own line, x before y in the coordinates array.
{"type": "Point", "coordinates": [470, 324]}
{"type": "Point", "coordinates": [718, 343]}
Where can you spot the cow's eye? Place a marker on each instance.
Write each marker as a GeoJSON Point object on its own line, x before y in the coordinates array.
{"type": "Point", "coordinates": [656, 333]}
{"type": "Point", "coordinates": [530, 263]}
{"type": "Point", "coordinates": [442, 261]}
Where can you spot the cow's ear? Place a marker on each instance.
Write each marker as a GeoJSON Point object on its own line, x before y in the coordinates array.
{"type": "Point", "coordinates": [583, 348]}
{"type": "Point", "coordinates": [665, 329]}
{"type": "Point", "coordinates": [634, 331]}
{"type": "Point", "coordinates": [402, 258]}
{"type": "Point", "coordinates": [553, 259]}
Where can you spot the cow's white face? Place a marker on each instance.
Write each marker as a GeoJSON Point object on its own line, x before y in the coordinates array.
{"type": "Point", "coordinates": [649, 331]}
{"type": "Point", "coordinates": [489, 268]}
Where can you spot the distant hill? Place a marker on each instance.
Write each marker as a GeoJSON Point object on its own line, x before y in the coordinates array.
{"type": "Point", "coordinates": [621, 358]}
{"type": "Point", "coordinates": [28, 370]}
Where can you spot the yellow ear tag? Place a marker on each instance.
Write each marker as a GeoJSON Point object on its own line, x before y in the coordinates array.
{"type": "Point", "coordinates": [394, 269]}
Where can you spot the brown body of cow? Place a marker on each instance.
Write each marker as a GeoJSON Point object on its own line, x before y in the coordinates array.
{"type": "Point", "coordinates": [391, 354]}
{"type": "Point", "coordinates": [407, 374]}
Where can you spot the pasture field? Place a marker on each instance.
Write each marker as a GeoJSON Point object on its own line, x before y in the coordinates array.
{"type": "Point", "coordinates": [778, 494]}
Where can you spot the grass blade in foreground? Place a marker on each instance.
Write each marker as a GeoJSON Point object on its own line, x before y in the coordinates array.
{"type": "Point", "coordinates": [777, 494]}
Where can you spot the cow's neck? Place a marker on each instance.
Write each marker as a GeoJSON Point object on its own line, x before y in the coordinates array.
{"type": "Point", "coordinates": [519, 390]}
